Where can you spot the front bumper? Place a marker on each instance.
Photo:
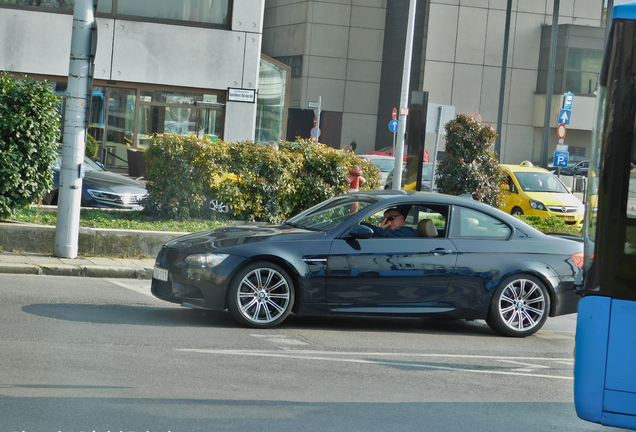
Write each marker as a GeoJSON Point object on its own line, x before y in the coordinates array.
{"type": "Point", "coordinates": [199, 288]}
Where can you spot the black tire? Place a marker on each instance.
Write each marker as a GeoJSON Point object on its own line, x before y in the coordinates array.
{"type": "Point", "coordinates": [516, 211]}
{"type": "Point", "coordinates": [261, 295]}
{"type": "Point", "coordinates": [519, 306]}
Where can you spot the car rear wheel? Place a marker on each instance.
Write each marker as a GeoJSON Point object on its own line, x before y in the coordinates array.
{"type": "Point", "coordinates": [261, 295]}
{"type": "Point", "coordinates": [519, 306]}
{"type": "Point", "coordinates": [516, 211]}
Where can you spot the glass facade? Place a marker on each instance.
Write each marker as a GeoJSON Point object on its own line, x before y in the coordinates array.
{"type": "Point", "coordinates": [270, 114]}
{"type": "Point", "coordinates": [122, 119]}
{"type": "Point", "coordinates": [204, 11]}
{"type": "Point", "coordinates": [582, 70]}
{"type": "Point", "coordinates": [213, 12]}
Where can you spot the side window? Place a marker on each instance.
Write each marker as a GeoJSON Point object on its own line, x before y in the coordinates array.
{"type": "Point", "coordinates": [511, 184]}
{"type": "Point", "coordinates": [468, 223]}
{"type": "Point", "coordinates": [415, 217]}
{"type": "Point", "coordinates": [438, 214]}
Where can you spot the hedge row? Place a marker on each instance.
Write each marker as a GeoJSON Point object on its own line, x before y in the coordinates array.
{"type": "Point", "coordinates": [259, 182]}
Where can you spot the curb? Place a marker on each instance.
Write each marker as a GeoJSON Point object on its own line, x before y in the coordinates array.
{"type": "Point", "coordinates": [17, 236]}
{"type": "Point", "coordinates": [82, 271]}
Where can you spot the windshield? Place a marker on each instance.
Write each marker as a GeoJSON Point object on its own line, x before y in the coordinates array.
{"type": "Point", "coordinates": [89, 165]}
{"type": "Point", "coordinates": [540, 182]}
{"type": "Point", "coordinates": [384, 165]}
{"type": "Point", "coordinates": [329, 214]}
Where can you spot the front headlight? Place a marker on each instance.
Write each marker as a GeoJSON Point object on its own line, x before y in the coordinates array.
{"type": "Point", "coordinates": [537, 205]}
{"type": "Point", "coordinates": [205, 260]}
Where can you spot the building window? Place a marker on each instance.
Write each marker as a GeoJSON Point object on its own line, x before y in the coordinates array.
{"type": "Point", "coordinates": [201, 11]}
{"type": "Point", "coordinates": [213, 12]}
{"type": "Point", "coordinates": [163, 111]}
{"type": "Point", "coordinates": [296, 64]}
{"type": "Point", "coordinates": [272, 94]}
{"type": "Point", "coordinates": [582, 70]}
{"type": "Point", "coordinates": [104, 6]}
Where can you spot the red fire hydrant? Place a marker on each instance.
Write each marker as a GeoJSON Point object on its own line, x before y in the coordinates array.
{"type": "Point", "coordinates": [355, 179]}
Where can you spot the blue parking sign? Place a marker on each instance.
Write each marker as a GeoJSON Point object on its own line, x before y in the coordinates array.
{"type": "Point", "coordinates": [561, 159]}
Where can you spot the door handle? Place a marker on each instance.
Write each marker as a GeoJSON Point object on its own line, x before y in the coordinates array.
{"type": "Point", "coordinates": [440, 251]}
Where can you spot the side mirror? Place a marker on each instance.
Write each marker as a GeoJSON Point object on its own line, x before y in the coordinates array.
{"type": "Point", "coordinates": [361, 232]}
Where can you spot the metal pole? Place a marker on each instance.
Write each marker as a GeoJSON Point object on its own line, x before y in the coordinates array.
{"type": "Point", "coordinates": [318, 119]}
{"type": "Point", "coordinates": [439, 133]}
{"type": "Point", "coordinates": [548, 95]}
{"type": "Point", "coordinates": [502, 84]}
{"type": "Point", "coordinates": [404, 98]}
{"type": "Point", "coordinates": [608, 19]}
{"type": "Point", "coordinates": [71, 172]}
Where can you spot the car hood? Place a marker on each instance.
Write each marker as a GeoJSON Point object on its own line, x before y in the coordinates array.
{"type": "Point", "coordinates": [115, 182]}
{"type": "Point", "coordinates": [555, 199]}
{"type": "Point", "coordinates": [237, 236]}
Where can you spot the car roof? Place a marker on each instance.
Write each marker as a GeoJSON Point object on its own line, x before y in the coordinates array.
{"type": "Point", "coordinates": [375, 156]}
{"type": "Point", "coordinates": [524, 167]}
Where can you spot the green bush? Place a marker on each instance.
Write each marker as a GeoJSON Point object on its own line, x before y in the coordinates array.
{"type": "Point", "coordinates": [92, 146]}
{"type": "Point", "coordinates": [471, 165]}
{"type": "Point", "coordinates": [550, 224]}
{"type": "Point", "coordinates": [176, 174]}
{"type": "Point", "coordinates": [29, 128]}
{"type": "Point", "coordinates": [259, 182]}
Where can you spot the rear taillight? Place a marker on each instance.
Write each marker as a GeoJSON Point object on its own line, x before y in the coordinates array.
{"type": "Point", "coordinates": [578, 259]}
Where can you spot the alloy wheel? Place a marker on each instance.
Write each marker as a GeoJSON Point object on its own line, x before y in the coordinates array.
{"type": "Point", "coordinates": [263, 296]}
{"type": "Point", "coordinates": [522, 305]}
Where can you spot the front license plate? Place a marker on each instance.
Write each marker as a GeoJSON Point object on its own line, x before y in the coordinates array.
{"type": "Point", "coordinates": [161, 274]}
{"type": "Point", "coordinates": [568, 219]}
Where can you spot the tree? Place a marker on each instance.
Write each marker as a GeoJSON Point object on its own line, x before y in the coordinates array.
{"type": "Point", "coordinates": [471, 166]}
{"type": "Point", "coordinates": [29, 128]}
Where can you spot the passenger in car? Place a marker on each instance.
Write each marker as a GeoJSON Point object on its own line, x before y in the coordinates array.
{"type": "Point", "coordinates": [392, 225]}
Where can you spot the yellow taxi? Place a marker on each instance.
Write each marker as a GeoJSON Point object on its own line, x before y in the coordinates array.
{"type": "Point", "coordinates": [532, 190]}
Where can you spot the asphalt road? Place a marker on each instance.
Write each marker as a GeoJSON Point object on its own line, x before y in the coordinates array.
{"type": "Point", "coordinates": [81, 354]}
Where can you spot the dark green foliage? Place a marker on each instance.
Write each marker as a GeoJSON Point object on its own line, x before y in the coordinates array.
{"type": "Point", "coordinates": [29, 129]}
{"type": "Point", "coordinates": [259, 182]}
{"type": "Point", "coordinates": [550, 224]}
{"type": "Point", "coordinates": [92, 146]}
{"type": "Point", "coordinates": [471, 166]}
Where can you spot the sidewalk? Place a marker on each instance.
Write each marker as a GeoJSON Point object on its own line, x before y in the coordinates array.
{"type": "Point", "coordinates": [42, 264]}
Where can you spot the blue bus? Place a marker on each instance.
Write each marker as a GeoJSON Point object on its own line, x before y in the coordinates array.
{"type": "Point", "coordinates": [605, 354]}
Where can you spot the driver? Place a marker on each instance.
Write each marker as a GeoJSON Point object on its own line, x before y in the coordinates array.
{"type": "Point", "coordinates": [392, 225]}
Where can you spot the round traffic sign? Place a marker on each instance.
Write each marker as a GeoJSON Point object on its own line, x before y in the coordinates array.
{"type": "Point", "coordinates": [561, 131]}
{"type": "Point", "coordinates": [315, 132]}
{"type": "Point", "coordinates": [315, 121]}
{"type": "Point", "coordinates": [476, 117]}
{"type": "Point", "coordinates": [393, 125]}
{"type": "Point", "coordinates": [394, 113]}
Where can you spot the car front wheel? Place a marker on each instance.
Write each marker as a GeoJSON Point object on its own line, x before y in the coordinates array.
{"type": "Point", "coordinates": [218, 206]}
{"type": "Point", "coordinates": [516, 211]}
{"type": "Point", "coordinates": [261, 295]}
{"type": "Point", "coordinates": [519, 306]}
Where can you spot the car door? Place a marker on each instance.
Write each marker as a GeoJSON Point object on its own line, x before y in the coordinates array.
{"type": "Point", "coordinates": [513, 198]}
{"type": "Point", "coordinates": [484, 249]}
{"type": "Point", "coordinates": [384, 271]}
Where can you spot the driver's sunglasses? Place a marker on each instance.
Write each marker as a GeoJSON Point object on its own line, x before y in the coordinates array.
{"type": "Point", "coordinates": [391, 218]}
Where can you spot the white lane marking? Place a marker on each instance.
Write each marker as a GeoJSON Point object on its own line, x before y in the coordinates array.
{"type": "Point", "coordinates": [280, 339]}
{"type": "Point", "coordinates": [140, 290]}
{"type": "Point", "coordinates": [531, 367]}
{"type": "Point", "coordinates": [301, 355]}
{"type": "Point", "coordinates": [569, 363]}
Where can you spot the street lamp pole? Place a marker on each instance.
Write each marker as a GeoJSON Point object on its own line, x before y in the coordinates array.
{"type": "Point", "coordinates": [77, 98]}
{"type": "Point", "coordinates": [404, 98]}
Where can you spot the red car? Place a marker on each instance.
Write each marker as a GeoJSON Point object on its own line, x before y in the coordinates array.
{"type": "Point", "coordinates": [388, 151]}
